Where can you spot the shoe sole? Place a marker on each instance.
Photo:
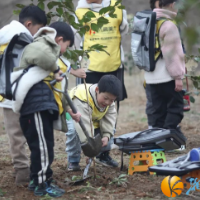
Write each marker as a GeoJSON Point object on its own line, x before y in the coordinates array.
{"type": "Point", "coordinates": [101, 163]}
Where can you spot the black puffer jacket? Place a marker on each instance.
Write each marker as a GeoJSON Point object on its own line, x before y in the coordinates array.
{"type": "Point", "coordinates": [39, 98]}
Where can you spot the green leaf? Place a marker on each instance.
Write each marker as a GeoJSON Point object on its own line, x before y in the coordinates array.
{"type": "Point", "coordinates": [192, 99]}
{"type": "Point", "coordinates": [87, 28]}
{"type": "Point", "coordinates": [90, 14]}
{"type": "Point", "coordinates": [113, 15]}
{"type": "Point", "coordinates": [197, 59]}
{"type": "Point", "coordinates": [71, 19]}
{"type": "Point", "coordinates": [52, 4]}
{"type": "Point", "coordinates": [20, 6]}
{"type": "Point", "coordinates": [74, 66]}
{"type": "Point", "coordinates": [195, 83]}
{"type": "Point", "coordinates": [60, 11]}
{"type": "Point", "coordinates": [99, 189]}
{"type": "Point", "coordinates": [75, 178]}
{"type": "Point", "coordinates": [105, 10]}
{"type": "Point", "coordinates": [196, 92]}
{"type": "Point", "coordinates": [121, 7]}
{"type": "Point", "coordinates": [75, 25]}
{"type": "Point", "coordinates": [69, 5]}
{"type": "Point", "coordinates": [16, 12]}
{"type": "Point", "coordinates": [95, 27]}
{"type": "Point", "coordinates": [122, 175]}
{"type": "Point", "coordinates": [103, 20]}
{"type": "Point", "coordinates": [118, 2]}
{"type": "Point", "coordinates": [41, 5]}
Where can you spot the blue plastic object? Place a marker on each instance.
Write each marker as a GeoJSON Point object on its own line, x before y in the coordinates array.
{"type": "Point", "coordinates": [195, 154]}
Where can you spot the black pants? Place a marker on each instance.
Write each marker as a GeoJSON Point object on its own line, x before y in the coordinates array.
{"type": "Point", "coordinates": [149, 105]}
{"type": "Point", "coordinates": [168, 105]}
{"type": "Point", "coordinates": [38, 130]}
{"type": "Point", "coordinates": [94, 77]}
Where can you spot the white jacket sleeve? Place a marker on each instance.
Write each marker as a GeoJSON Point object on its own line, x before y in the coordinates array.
{"type": "Point", "coordinates": [124, 26]}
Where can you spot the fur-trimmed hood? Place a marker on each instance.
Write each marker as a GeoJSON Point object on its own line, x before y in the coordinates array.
{"type": "Point", "coordinates": [8, 31]}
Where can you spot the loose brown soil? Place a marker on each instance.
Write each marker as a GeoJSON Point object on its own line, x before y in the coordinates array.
{"type": "Point", "coordinates": [140, 186]}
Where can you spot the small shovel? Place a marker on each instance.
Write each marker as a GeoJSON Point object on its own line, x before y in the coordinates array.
{"type": "Point", "coordinates": [93, 146]}
{"type": "Point", "coordinates": [85, 173]}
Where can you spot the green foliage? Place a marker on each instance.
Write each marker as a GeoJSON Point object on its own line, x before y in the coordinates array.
{"type": "Point", "coordinates": [46, 197]}
{"type": "Point", "coordinates": [1, 193]}
{"type": "Point", "coordinates": [191, 35]}
{"type": "Point", "coordinates": [65, 11]}
{"type": "Point", "coordinates": [76, 178]}
{"type": "Point", "coordinates": [190, 31]}
{"type": "Point", "coordinates": [120, 181]}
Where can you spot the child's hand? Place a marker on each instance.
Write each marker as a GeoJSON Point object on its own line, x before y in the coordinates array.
{"type": "Point", "coordinates": [57, 76]}
{"type": "Point", "coordinates": [78, 73]}
{"type": "Point", "coordinates": [76, 117]}
{"type": "Point", "coordinates": [178, 85]}
{"type": "Point", "coordinates": [104, 141]}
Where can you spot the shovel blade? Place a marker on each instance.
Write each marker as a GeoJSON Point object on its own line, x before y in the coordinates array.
{"type": "Point", "coordinates": [92, 147]}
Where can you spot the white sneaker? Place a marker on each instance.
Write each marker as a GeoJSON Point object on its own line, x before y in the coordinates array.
{"type": "Point", "coordinates": [182, 148]}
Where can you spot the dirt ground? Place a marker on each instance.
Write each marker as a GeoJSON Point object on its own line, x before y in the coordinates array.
{"type": "Point", "coordinates": [131, 118]}
{"type": "Point", "coordinates": [139, 186]}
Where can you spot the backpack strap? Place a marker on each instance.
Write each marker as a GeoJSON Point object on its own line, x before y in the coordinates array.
{"type": "Point", "coordinates": [158, 52]}
{"type": "Point", "coordinates": [18, 79]}
{"type": "Point", "coordinates": [159, 23]}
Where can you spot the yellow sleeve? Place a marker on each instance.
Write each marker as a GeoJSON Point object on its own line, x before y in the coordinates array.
{"type": "Point", "coordinates": [1, 98]}
{"type": "Point", "coordinates": [62, 65]}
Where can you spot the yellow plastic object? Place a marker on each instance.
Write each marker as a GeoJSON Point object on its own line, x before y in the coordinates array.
{"type": "Point", "coordinates": [1, 98]}
{"type": "Point", "coordinates": [140, 161]}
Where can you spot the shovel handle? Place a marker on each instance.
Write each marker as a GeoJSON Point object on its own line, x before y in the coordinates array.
{"type": "Point", "coordinates": [75, 111]}
{"type": "Point", "coordinates": [54, 81]}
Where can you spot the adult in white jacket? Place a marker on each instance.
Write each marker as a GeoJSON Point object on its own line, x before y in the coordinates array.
{"type": "Point", "coordinates": [109, 35]}
{"type": "Point", "coordinates": [31, 19]}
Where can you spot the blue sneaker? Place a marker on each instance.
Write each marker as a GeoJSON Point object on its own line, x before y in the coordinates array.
{"type": "Point", "coordinates": [51, 182]}
{"type": "Point", "coordinates": [48, 188]}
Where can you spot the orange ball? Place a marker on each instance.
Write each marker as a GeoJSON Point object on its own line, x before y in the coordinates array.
{"type": "Point", "coordinates": [172, 186]}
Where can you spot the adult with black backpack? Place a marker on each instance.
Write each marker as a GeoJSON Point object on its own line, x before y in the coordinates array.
{"type": "Point", "coordinates": [31, 19]}
{"type": "Point", "coordinates": [165, 80]}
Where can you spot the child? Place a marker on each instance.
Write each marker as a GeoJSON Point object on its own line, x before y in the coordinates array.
{"type": "Point", "coordinates": [100, 63]}
{"type": "Point", "coordinates": [149, 106]}
{"type": "Point", "coordinates": [31, 19]}
{"type": "Point", "coordinates": [166, 80]}
{"type": "Point", "coordinates": [103, 112]}
{"type": "Point", "coordinates": [155, 4]}
{"type": "Point", "coordinates": [36, 103]}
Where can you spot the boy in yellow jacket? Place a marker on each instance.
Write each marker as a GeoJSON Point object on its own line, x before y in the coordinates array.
{"type": "Point", "coordinates": [103, 113]}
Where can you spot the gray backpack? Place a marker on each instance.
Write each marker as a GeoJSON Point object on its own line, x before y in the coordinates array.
{"type": "Point", "coordinates": [11, 59]}
{"type": "Point", "coordinates": [143, 40]}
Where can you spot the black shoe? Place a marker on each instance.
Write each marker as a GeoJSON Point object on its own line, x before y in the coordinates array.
{"type": "Point", "coordinates": [74, 167]}
{"type": "Point", "coordinates": [31, 185]}
{"type": "Point", "coordinates": [40, 190]}
{"type": "Point", "coordinates": [106, 160]}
